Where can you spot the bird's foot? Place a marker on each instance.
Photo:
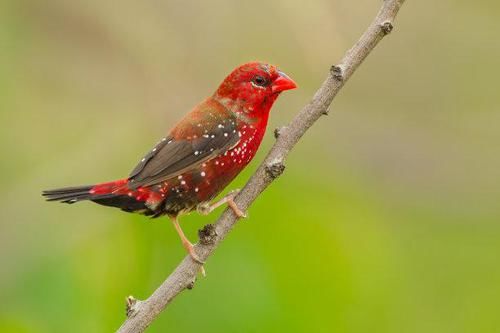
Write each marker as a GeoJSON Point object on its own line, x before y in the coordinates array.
{"type": "Point", "coordinates": [187, 245]}
{"type": "Point", "coordinates": [207, 208]}
{"type": "Point", "coordinates": [230, 202]}
{"type": "Point", "coordinates": [204, 208]}
{"type": "Point", "coordinates": [236, 209]}
{"type": "Point", "coordinates": [190, 249]}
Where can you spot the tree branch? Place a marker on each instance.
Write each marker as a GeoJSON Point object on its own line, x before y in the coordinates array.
{"type": "Point", "coordinates": [141, 313]}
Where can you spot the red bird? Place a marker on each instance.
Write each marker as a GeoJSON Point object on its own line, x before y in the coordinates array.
{"type": "Point", "coordinates": [200, 156]}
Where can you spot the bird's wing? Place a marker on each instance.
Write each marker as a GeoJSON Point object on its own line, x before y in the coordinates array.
{"type": "Point", "coordinates": [206, 133]}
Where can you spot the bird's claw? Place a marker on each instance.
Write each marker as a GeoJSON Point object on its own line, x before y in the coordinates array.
{"type": "Point", "coordinates": [237, 211]}
{"type": "Point", "coordinates": [204, 208]}
{"type": "Point", "coordinates": [230, 201]}
{"type": "Point", "coordinates": [190, 249]}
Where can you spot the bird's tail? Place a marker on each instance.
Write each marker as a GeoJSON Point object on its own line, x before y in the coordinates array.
{"type": "Point", "coordinates": [115, 194]}
{"type": "Point", "coordinates": [69, 194]}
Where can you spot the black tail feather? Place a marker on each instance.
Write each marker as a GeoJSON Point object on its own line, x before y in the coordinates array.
{"type": "Point", "coordinates": [71, 195]}
{"type": "Point", "coordinates": [68, 194]}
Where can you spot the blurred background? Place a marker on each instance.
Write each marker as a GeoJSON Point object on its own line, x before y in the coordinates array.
{"type": "Point", "coordinates": [386, 219]}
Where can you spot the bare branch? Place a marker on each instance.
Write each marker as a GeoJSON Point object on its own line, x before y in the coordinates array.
{"type": "Point", "coordinates": [142, 313]}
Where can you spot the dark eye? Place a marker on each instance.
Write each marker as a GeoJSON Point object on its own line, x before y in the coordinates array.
{"type": "Point", "coordinates": [260, 81]}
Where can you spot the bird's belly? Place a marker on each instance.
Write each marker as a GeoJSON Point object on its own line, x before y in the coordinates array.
{"type": "Point", "coordinates": [214, 175]}
{"type": "Point", "coordinates": [190, 189]}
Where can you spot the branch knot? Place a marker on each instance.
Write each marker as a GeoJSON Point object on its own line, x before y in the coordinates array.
{"type": "Point", "coordinates": [278, 131]}
{"type": "Point", "coordinates": [207, 234]}
{"type": "Point", "coordinates": [190, 285]}
{"type": "Point", "coordinates": [337, 72]}
{"type": "Point", "coordinates": [275, 169]}
{"type": "Point", "coordinates": [386, 27]}
{"type": "Point", "coordinates": [131, 306]}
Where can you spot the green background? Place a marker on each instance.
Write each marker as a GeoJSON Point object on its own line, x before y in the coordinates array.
{"type": "Point", "coordinates": [386, 219]}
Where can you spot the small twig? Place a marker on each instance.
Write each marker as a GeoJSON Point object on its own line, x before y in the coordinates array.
{"type": "Point", "coordinates": [132, 306]}
{"type": "Point", "coordinates": [140, 314]}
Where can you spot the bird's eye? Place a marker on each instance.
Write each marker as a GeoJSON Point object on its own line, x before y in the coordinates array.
{"type": "Point", "coordinates": [259, 81]}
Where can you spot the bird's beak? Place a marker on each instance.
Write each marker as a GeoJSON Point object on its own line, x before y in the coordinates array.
{"type": "Point", "coordinates": [283, 82]}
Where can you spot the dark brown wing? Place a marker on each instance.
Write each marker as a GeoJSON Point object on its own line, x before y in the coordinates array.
{"type": "Point", "coordinates": [172, 157]}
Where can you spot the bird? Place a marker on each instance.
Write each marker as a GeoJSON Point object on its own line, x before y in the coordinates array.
{"type": "Point", "coordinates": [199, 157]}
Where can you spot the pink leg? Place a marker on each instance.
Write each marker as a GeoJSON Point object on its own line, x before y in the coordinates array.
{"type": "Point", "coordinates": [207, 208]}
{"type": "Point", "coordinates": [187, 244]}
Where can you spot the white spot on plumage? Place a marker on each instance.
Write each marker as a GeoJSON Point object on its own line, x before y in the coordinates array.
{"type": "Point", "coordinates": [203, 174]}
{"type": "Point", "coordinates": [196, 189]}
{"type": "Point", "coordinates": [225, 134]}
{"type": "Point", "coordinates": [183, 182]}
{"type": "Point", "coordinates": [196, 152]}
{"type": "Point", "coordinates": [220, 126]}
{"type": "Point", "coordinates": [179, 177]}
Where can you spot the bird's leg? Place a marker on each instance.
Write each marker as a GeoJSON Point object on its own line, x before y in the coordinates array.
{"type": "Point", "coordinates": [187, 244]}
{"type": "Point", "coordinates": [228, 199]}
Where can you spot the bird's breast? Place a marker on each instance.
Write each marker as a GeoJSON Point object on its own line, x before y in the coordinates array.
{"type": "Point", "coordinates": [214, 175]}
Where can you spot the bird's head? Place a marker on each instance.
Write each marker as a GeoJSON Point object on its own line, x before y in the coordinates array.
{"type": "Point", "coordinates": [252, 88]}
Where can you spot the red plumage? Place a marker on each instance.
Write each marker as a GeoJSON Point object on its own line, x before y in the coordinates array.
{"type": "Point", "coordinates": [201, 155]}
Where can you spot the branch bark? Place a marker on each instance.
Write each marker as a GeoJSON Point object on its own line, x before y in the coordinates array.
{"type": "Point", "coordinates": [140, 314]}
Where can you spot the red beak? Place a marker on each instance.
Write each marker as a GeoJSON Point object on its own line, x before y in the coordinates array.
{"type": "Point", "coordinates": [283, 82]}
